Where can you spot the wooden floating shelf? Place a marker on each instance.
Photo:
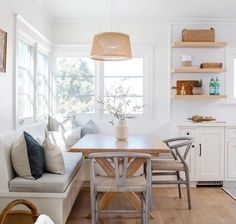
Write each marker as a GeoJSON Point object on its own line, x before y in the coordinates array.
{"type": "Point", "coordinates": [199, 44]}
{"type": "Point", "coordinates": [200, 97]}
{"type": "Point", "coordinates": [198, 70]}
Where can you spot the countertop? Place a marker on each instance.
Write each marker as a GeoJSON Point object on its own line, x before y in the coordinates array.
{"type": "Point", "coordinates": [205, 124]}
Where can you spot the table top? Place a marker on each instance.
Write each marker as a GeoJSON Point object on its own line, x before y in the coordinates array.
{"type": "Point", "coordinates": [141, 143]}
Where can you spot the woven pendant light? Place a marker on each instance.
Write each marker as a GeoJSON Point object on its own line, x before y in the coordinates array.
{"type": "Point", "coordinates": [111, 46]}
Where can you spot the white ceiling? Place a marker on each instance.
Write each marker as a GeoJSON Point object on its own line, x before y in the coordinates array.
{"type": "Point", "coordinates": [142, 9]}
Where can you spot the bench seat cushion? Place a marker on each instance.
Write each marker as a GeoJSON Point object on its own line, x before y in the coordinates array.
{"type": "Point", "coordinates": [50, 183]}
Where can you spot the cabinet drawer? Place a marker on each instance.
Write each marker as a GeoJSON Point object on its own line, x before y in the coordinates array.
{"type": "Point", "coordinates": [188, 132]}
{"type": "Point", "coordinates": [232, 133]}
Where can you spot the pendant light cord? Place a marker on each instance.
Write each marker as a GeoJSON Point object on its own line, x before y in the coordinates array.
{"type": "Point", "coordinates": [111, 14]}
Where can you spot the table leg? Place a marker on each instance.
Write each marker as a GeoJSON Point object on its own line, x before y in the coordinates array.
{"type": "Point", "coordinates": [135, 201]}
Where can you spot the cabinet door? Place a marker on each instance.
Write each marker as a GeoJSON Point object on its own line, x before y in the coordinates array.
{"type": "Point", "coordinates": [231, 160]}
{"type": "Point", "coordinates": [190, 132]}
{"type": "Point", "coordinates": [210, 156]}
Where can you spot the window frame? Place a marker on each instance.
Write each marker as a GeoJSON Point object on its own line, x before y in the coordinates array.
{"type": "Point", "coordinates": [230, 76]}
{"type": "Point", "coordinates": [81, 52]}
{"type": "Point", "coordinates": [140, 51]}
{"type": "Point", "coordinates": [43, 51]}
{"type": "Point", "coordinates": [28, 34]}
{"type": "Point", "coordinates": [29, 41]}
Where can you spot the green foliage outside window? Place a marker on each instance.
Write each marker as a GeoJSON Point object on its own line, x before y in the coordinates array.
{"type": "Point", "coordinates": [75, 85]}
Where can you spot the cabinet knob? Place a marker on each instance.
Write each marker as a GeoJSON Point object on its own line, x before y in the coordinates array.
{"type": "Point", "coordinates": [188, 133]}
{"type": "Point", "coordinates": [193, 146]}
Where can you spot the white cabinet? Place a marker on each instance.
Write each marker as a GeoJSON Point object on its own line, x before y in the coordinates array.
{"type": "Point", "coordinates": [231, 161]}
{"type": "Point", "coordinates": [230, 155]}
{"type": "Point", "coordinates": [206, 159]}
{"type": "Point", "coordinates": [210, 156]}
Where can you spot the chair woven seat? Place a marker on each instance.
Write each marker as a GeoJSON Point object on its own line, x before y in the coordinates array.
{"type": "Point", "coordinates": [108, 184]}
{"type": "Point", "coordinates": [167, 165]}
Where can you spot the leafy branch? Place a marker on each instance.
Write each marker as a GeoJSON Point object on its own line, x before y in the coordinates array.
{"type": "Point", "coordinates": [117, 101]}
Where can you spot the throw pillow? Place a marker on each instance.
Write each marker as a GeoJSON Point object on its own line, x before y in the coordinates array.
{"type": "Point", "coordinates": [89, 128]}
{"type": "Point", "coordinates": [19, 158]}
{"type": "Point", "coordinates": [36, 156]}
{"type": "Point", "coordinates": [65, 140]}
{"type": "Point", "coordinates": [59, 124]}
{"type": "Point", "coordinates": [53, 124]}
{"type": "Point", "coordinates": [27, 157]}
{"type": "Point", "coordinates": [72, 137]}
{"type": "Point", "coordinates": [54, 162]}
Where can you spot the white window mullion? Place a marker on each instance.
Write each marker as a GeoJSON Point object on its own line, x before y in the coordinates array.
{"type": "Point", "coordinates": [35, 65]}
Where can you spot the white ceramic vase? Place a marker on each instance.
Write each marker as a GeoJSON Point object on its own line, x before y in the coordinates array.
{"type": "Point", "coordinates": [121, 130]}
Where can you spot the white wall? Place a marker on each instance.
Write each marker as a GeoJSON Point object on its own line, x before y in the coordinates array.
{"type": "Point", "coordinates": [38, 17]}
{"type": "Point", "coordinates": [220, 109]}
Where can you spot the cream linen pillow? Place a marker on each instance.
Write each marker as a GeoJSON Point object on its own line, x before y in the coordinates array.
{"type": "Point", "coordinates": [65, 140]}
{"type": "Point", "coordinates": [19, 158]}
{"type": "Point", "coordinates": [54, 162]}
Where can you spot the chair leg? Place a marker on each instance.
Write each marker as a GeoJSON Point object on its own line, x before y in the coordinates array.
{"type": "Point", "coordinates": [188, 188]}
{"type": "Point", "coordinates": [179, 186]}
{"type": "Point", "coordinates": [143, 208]}
{"type": "Point", "coordinates": [148, 208]}
{"type": "Point", "coordinates": [97, 201]}
{"type": "Point", "coordinates": [93, 208]}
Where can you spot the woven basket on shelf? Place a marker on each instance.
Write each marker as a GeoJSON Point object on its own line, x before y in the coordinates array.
{"type": "Point", "coordinates": [211, 65]}
{"type": "Point", "coordinates": [198, 35]}
{"type": "Point", "coordinates": [9, 216]}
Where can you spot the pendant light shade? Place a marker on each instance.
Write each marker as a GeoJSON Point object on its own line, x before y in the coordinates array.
{"type": "Point", "coordinates": [111, 46]}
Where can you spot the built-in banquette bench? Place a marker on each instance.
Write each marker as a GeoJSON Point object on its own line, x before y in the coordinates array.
{"type": "Point", "coordinates": [53, 194]}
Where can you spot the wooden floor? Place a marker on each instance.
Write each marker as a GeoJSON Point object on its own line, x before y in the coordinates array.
{"type": "Point", "coordinates": [210, 206]}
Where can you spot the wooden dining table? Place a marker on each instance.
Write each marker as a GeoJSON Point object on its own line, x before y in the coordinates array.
{"type": "Point", "coordinates": [139, 143]}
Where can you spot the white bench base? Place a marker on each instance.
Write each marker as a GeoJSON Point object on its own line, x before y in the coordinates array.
{"type": "Point", "coordinates": [56, 205]}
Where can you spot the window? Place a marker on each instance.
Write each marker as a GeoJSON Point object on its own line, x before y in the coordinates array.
{"type": "Point", "coordinates": [25, 80]}
{"type": "Point", "coordinates": [32, 74]}
{"type": "Point", "coordinates": [231, 76]}
{"type": "Point", "coordinates": [75, 85]}
{"type": "Point", "coordinates": [79, 81]}
{"type": "Point", "coordinates": [129, 74]}
{"type": "Point", "coordinates": [42, 83]}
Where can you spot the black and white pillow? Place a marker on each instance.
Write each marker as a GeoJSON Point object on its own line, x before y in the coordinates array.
{"type": "Point", "coordinates": [27, 157]}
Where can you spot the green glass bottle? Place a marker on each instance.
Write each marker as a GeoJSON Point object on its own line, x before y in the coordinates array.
{"type": "Point", "coordinates": [212, 87]}
{"type": "Point", "coordinates": [217, 86]}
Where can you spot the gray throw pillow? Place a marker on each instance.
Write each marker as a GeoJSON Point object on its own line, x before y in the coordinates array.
{"type": "Point", "coordinates": [54, 162]}
{"type": "Point", "coordinates": [89, 128]}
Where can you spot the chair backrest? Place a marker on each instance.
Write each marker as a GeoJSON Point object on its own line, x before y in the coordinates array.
{"type": "Point", "coordinates": [120, 161]}
{"type": "Point", "coordinates": [179, 143]}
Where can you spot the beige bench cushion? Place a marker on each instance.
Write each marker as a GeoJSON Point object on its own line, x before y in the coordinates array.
{"type": "Point", "coordinates": [51, 183]}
